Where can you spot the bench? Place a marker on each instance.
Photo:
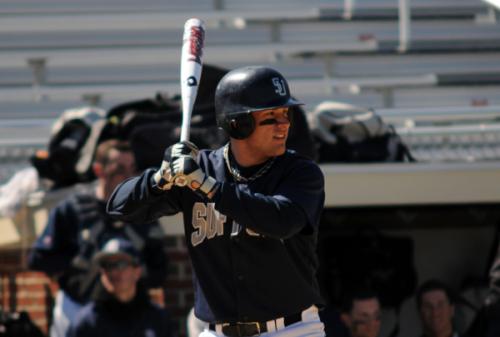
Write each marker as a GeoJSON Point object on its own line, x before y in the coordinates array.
{"type": "Point", "coordinates": [440, 115]}
{"type": "Point", "coordinates": [471, 142]}
{"type": "Point", "coordinates": [383, 85]}
{"type": "Point", "coordinates": [386, 85]}
{"type": "Point", "coordinates": [373, 9]}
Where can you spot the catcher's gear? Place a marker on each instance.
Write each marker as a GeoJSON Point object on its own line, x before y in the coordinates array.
{"type": "Point", "coordinates": [245, 90]}
{"type": "Point", "coordinates": [185, 171]}
{"type": "Point", "coordinates": [162, 177]}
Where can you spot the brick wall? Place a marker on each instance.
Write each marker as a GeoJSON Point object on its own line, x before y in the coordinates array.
{"type": "Point", "coordinates": [34, 291]}
{"type": "Point", "coordinates": [28, 291]}
{"type": "Point", "coordinates": [178, 290]}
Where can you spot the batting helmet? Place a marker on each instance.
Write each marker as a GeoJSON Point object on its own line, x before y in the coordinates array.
{"type": "Point", "coordinates": [245, 90]}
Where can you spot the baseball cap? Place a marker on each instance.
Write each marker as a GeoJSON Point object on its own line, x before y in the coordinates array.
{"type": "Point", "coordinates": [117, 247]}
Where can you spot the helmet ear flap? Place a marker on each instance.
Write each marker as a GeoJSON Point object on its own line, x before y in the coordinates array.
{"type": "Point", "coordinates": [240, 126]}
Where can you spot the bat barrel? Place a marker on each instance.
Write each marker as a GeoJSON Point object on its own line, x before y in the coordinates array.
{"type": "Point", "coordinates": [191, 65]}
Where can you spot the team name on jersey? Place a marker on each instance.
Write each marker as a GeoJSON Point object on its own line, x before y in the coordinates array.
{"type": "Point", "coordinates": [207, 223]}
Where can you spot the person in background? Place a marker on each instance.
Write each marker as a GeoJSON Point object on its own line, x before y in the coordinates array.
{"type": "Point", "coordinates": [361, 313]}
{"type": "Point", "coordinates": [122, 307]}
{"type": "Point", "coordinates": [79, 226]}
{"type": "Point", "coordinates": [435, 305]}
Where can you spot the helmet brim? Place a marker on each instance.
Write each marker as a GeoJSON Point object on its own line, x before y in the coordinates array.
{"type": "Point", "coordinates": [290, 103]}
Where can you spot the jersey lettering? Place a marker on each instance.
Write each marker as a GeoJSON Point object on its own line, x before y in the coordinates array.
{"type": "Point", "coordinates": [207, 223]}
{"type": "Point", "coordinates": [236, 230]}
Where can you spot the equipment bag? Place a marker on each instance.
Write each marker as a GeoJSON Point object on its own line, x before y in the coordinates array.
{"type": "Point", "coordinates": [74, 138]}
{"type": "Point", "coordinates": [153, 124]}
{"type": "Point", "coordinates": [346, 133]}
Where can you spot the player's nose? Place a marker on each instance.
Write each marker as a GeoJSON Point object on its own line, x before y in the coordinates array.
{"type": "Point", "coordinates": [282, 121]}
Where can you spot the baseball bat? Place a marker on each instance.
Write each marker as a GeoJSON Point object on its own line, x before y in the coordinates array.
{"type": "Point", "coordinates": [191, 65]}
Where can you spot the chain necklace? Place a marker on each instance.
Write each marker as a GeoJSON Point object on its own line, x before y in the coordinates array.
{"type": "Point", "coordinates": [236, 173]}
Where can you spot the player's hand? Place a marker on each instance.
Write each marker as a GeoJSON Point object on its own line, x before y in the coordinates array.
{"type": "Point", "coordinates": [185, 148]}
{"type": "Point", "coordinates": [185, 171]}
{"type": "Point", "coordinates": [163, 177]}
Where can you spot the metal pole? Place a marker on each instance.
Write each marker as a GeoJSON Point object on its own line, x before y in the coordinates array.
{"type": "Point", "coordinates": [404, 25]}
{"type": "Point", "coordinates": [37, 66]}
{"type": "Point", "coordinates": [348, 9]}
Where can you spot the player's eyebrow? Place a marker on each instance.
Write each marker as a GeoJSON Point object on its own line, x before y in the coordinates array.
{"type": "Point", "coordinates": [267, 113]}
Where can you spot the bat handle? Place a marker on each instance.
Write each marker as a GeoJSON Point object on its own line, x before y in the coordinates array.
{"type": "Point", "coordinates": [186, 125]}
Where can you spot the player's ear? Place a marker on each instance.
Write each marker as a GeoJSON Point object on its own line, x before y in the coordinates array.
{"type": "Point", "coordinates": [98, 169]}
{"type": "Point", "coordinates": [137, 273]}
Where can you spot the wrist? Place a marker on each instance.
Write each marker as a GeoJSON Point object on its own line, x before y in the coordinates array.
{"type": "Point", "coordinates": [153, 183]}
{"type": "Point", "coordinates": [209, 187]}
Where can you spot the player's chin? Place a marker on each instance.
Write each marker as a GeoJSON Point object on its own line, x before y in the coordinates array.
{"type": "Point", "coordinates": [280, 149]}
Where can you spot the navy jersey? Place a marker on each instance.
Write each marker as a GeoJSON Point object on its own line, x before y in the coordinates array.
{"type": "Point", "coordinates": [106, 316]}
{"type": "Point", "coordinates": [252, 246]}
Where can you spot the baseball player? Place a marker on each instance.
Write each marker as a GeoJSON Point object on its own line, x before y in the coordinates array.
{"type": "Point", "coordinates": [251, 211]}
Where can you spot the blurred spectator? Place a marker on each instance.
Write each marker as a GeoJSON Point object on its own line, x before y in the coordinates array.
{"type": "Point", "coordinates": [436, 307]}
{"type": "Point", "coordinates": [79, 226]}
{"type": "Point", "coordinates": [361, 313]}
{"type": "Point", "coordinates": [122, 306]}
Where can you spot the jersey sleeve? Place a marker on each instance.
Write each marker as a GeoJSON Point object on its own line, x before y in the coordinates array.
{"type": "Point", "coordinates": [135, 200]}
{"type": "Point", "coordinates": [295, 205]}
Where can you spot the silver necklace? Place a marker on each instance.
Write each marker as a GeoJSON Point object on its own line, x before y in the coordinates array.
{"type": "Point", "coordinates": [236, 173]}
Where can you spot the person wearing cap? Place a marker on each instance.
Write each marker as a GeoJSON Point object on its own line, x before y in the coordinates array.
{"type": "Point", "coordinates": [122, 307]}
{"type": "Point", "coordinates": [251, 213]}
{"type": "Point", "coordinates": [79, 226]}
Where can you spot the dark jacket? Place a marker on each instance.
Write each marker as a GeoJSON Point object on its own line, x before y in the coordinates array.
{"type": "Point", "coordinates": [77, 228]}
{"type": "Point", "coordinates": [105, 316]}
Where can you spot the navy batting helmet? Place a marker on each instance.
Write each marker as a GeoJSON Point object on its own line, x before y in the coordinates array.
{"type": "Point", "coordinates": [245, 90]}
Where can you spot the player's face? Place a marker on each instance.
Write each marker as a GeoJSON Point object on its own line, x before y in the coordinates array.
{"type": "Point", "coordinates": [120, 166]}
{"type": "Point", "coordinates": [270, 134]}
{"type": "Point", "coordinates": [436, 312]}
{"type": "Point", "coordinates": [364, 319]}
{"type": "Point", "coordinates": [119, 276]}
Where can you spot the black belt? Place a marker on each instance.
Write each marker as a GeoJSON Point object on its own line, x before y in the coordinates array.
{"type": "Point", "coordinates": [246, 329]}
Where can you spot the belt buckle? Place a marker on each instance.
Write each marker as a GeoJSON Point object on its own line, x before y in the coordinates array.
{"type": "Point", "coordinates": [246, 324]}
{"type": "Point", "coordinates": [257, 325]}
{"type": "Point", "coordinates": [241, 329]}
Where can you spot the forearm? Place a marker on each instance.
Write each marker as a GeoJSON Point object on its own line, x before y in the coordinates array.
{"type": "Point", "coordinates": [136, 201]}
{"type": "Point", "coordinates": [273, 216]}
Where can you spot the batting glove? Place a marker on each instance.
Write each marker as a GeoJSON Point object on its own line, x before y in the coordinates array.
{"type": "Point", "coordinates": [163, 178]}
{"type": "Point", "coordinates": [186, 172]}
{"type": "Point", "coordinates": [182, 149]}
